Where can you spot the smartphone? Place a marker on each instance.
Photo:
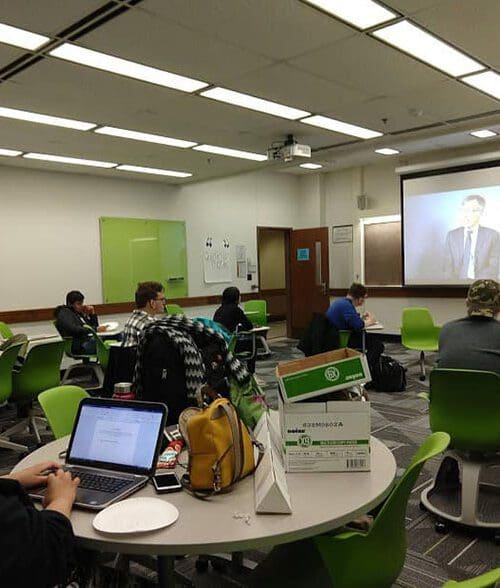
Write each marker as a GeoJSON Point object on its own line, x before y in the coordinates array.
{"type": "Point", "coordinates": [167, 482]}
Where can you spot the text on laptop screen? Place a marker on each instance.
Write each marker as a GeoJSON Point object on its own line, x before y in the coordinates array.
{"type": "Point", "coordinates": [116, 435]}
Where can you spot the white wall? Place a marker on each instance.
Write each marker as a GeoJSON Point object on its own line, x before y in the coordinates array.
{"type": "Point", "coordinates": [49, 236]}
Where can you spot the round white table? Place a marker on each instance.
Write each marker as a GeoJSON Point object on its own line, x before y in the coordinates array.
{"type": "Point", "coordinates": [320, 502]}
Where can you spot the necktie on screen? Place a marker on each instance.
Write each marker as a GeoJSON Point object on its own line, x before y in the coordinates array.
{"type": "Point", "coordinates": [466, 257]}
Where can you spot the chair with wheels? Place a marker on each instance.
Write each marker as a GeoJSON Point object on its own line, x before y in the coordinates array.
{"type": "Point", "coordinates": [60, 405]}
{"type": "Point", "coordinates": [256, 311]}
{"type": "Point", "coordinates": [40, 370]}
{"type": "Point", "coordinates": [5, 331]}
{"type": "Point", "coordinates": [418, 332]}
{"type": "Point", "coordinates": [374, 559]}
{"type": "Point", "coordinates": [486, 580]}
{"type": "Point", "coordinates": [7, 361]}
{"type": "Point", "coordinates": [174, 309]}
{"type": "Point", "coordinates": [466, 404]}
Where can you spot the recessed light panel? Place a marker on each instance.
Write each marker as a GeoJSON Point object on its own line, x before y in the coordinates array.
{"type": "Point", "coordinates": [387, 151]}
{"type": "Point", "coordinates": [338, 126]}
{"type": "Point", "coordinates": [154, 171]}
{"type": "Point", "coordinates": [148, 137]}
{"type": "Point", "coordinates": [124, 67]}
{"type": "Point", "coordinates": [483, 134]}
{"type": "Point", "coordinates": [70, 160]}
{"type": "Point", "coordinates": [21, 38]}
{"type": "Point", "coordinates": [253, 103]}
{"type": "Point", "coordinates": [428, 48]}
{"type": "Point", "coordinates": [9, 152]}
{"type": "Point", "coordinates": [230, 152]}
{"type": "Point", "coordinates": [45, 119]}
{"type": "Point", "coordinates": [488, 82]}
{"type": "Point", "coordinates": [363, 14]}
{"type": "Point", "coordinates": [310, 165]}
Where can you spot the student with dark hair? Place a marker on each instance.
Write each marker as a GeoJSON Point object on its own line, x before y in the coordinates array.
{"type": "Point", "coordinates": [149, 302]}
{"type": "Point", "coordinates": [231, 316]}
{"type": "Point", "coordinates": [71, 319]}
{"type": "Point", "coordinates": [37, 547]}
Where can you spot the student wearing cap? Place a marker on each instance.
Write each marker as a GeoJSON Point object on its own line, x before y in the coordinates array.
{"type": "Point", "coordinates": [473, 342]}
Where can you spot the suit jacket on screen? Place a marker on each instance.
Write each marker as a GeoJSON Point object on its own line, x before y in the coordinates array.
{"type": "Point", "coordinates": [487, 255]}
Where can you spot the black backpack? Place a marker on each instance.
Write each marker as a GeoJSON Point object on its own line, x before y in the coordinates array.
{"type": "Point", "coordinates": [388, 375]}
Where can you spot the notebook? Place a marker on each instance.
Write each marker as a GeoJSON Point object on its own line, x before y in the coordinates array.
{"type": "Point", "coordinates": [113, 449]}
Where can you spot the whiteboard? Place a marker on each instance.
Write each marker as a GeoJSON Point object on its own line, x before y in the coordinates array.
{"type": "Point", "coordinates": [217, 261]}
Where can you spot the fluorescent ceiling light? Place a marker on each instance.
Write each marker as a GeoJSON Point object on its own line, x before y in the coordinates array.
{"type": "Point", "coordinates": [360, 13]}
{"type": "Point", "coordinates": [148, 137]}
{"type": "Point", "coordinates": [387, 151]}
{"type": "Point", "coordinates": [428, 48]}
{"type": "Point", "coordinates": [127, 68]}
{"type": "Point", "coordinates": [230, 152]}
{"type": "Point", "coordinates": [488, 82]}
{"type": "Point", "coordinates": [253, 103]}
{"type": "Point", "coordinates": [338, 126]}
{"type": "Point", "coordinates": [21, 38]}
{"type": "Point", "coordinates": [45, 119]}
{"type": "Point", "coordinates": [9, 152]}
{"type": "Point", "coordinates": [154, 171]}
{"type": "Point", "coordinates": [71, 160]}
{"type": "Point", "coordinates": [483, 134]}
{"type": "Point", "coordinates": [310, 165]}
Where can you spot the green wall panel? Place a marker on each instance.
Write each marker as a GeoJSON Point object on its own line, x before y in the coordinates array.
{"type": "Point", "coordinates": [135, 250]}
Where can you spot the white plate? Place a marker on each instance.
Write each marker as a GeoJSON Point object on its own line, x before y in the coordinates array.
{"type": "Point", "coordinates": [112, 325]}
{"type": "Point", "coordinates": [136, 515]}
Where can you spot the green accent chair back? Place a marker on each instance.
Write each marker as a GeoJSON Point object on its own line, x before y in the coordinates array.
{"type": "Point", "coordinates": [259, 319]}
{"type": "Point", "coordinates": [5, 331]}
{"type": "Point", "coordinates": [60, 405]}
{"type": "Point", "coordinates": [7, 361]}
{"type": "Point", "coordinates": [41, 370]}
{"type": "Point", "coordinates": [418, 332]}
{"type": "Point", "coordinates": [174, 309]}
{"type": "Point", "coordinates": [344, 338]}
{"type": "Point", "coordinates": [243, 355]}
{"type": "Point", "coordinates": [375, 559]}
{"type": "Point", "coordinates": [486, 580]}
{"type": "Point", "coordinates": [102, 352]}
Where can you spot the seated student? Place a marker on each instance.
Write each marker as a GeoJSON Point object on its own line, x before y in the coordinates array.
{"type": "Point", "coordinates": [37, 547]}
{"type": "Point", "coordinates": [149, 301]}
{"type": "Point", "coordinates": [343, 315]}
{"type": "Point", "coordinates": [70, 321]}
{"type": "Point", "coordinates": [473, 342]}
{"type": "Point", "coordinates": [230, 315]}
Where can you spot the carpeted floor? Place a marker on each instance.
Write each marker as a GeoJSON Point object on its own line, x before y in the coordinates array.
{"type": "Point", "coordinates": [399, 420]}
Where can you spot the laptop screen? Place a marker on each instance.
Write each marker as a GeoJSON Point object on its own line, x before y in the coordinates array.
{"type": "Point", "coordinates": [117, 435]}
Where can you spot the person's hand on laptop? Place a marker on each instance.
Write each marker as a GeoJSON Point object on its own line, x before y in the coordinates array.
{"type": "Point", "coordinates": [61, 492]}
{"type": "Point", "coordinates": [35, 475]}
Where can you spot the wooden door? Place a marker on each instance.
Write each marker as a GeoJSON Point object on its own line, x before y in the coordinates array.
{"type": "Point", "coordinates": [309, 272]}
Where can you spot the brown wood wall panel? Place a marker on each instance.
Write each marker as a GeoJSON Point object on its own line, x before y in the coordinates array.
{"type": "Point", "coordinates": [383, 254]}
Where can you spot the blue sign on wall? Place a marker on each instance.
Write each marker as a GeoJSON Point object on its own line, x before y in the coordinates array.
{"type": "Point", "coordinates": [303, 254]}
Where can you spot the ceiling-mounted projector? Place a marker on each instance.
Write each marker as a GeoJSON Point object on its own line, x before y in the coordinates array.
{"type": "Point", "coordinates": [288, 150]}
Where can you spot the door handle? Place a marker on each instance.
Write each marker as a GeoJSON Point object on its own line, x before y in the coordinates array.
{"type": "Point", "coordinates": [324, 289]}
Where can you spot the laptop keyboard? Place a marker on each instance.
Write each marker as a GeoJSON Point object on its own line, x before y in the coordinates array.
{"type": "Point", "coordinates": [100, 483]}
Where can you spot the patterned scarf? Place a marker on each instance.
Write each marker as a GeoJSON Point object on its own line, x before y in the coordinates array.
{"type": "Point", "coordinates": [188, 337]}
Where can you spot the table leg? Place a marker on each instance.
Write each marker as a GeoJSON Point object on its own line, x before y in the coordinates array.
{"type": "Point", "coordinates": [166, 571]}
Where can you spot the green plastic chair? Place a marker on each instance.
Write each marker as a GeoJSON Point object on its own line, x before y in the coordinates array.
{"type": "Point", "coordinates": [486, 580]}
{"type": "Point", "coordinates": [375, 559]}
{"type": "Point", "coordinates": [259, 307]}
{"type": "Point", "coordinates": [7, 361]}
{"type": "Point", "coordinates": [173, 309]}
{"type": "Point", "coordinates": [418, 332]}
{"type": "Point", "coordinates": [5, 331]}
{"type": "Point", "coordinates": [465, 404]}
{"type": "Point", "coordinates": [102, 352]}
{"type": "Point", "coordinates": [344, 338]}
{"type": "Point", "coordinates": [60, 405]}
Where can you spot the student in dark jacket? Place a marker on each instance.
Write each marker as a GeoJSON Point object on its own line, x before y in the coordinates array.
{"type": "Point", "coordinates": [230, 315]}
{"type": "Point", "coordinates": [71, 319]}
{"type": "Point", "coordinates": [37, 547]}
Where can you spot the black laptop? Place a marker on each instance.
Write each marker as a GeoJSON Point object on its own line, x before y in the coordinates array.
{"type": "Point", "coordinates": [113, 449]}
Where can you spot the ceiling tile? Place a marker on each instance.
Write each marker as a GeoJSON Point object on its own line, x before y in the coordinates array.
{"type": "Point", "coordinates": [408, 8]}
{"type": "Point", "coordinates": [47, 16]}
{"type": "Point", "coordinates": [9, 54]}
{"type": "Point", "coordinates": [278, 29]}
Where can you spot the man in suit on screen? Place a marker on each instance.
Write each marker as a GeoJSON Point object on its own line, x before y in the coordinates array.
{"type": "Point", "coordinates": [472, 251]}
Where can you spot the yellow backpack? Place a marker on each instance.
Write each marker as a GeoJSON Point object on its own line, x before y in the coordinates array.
{"type": "Point", "coordinates": [220, 447]}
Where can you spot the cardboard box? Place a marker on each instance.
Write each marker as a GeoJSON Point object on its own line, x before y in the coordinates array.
{"type": "Point", "coordinates": [329, 436]}
{"type": "Point", "coordinates": [319, 374]}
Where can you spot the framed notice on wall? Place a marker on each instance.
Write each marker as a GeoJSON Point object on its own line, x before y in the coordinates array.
{"type": "Point", "coordinates": [342, 234]}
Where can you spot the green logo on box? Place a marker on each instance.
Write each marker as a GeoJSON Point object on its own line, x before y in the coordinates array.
{"type": "Point", "coordinates": [332, 374]}
{"type": "Point", "coordinates": [305, 441]}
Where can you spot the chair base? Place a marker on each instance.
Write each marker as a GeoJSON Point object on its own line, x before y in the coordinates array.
{"type": "Point", "coordinates": [264, 350]}
{"type": "Point", "coordinates": [29, 423]}
{"type": "Point", "coordinates": [421, 361]}
{"type": "Point", "coordinates": [75, 371]}
{"type": "Point", "coordinates": [458, 501]}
